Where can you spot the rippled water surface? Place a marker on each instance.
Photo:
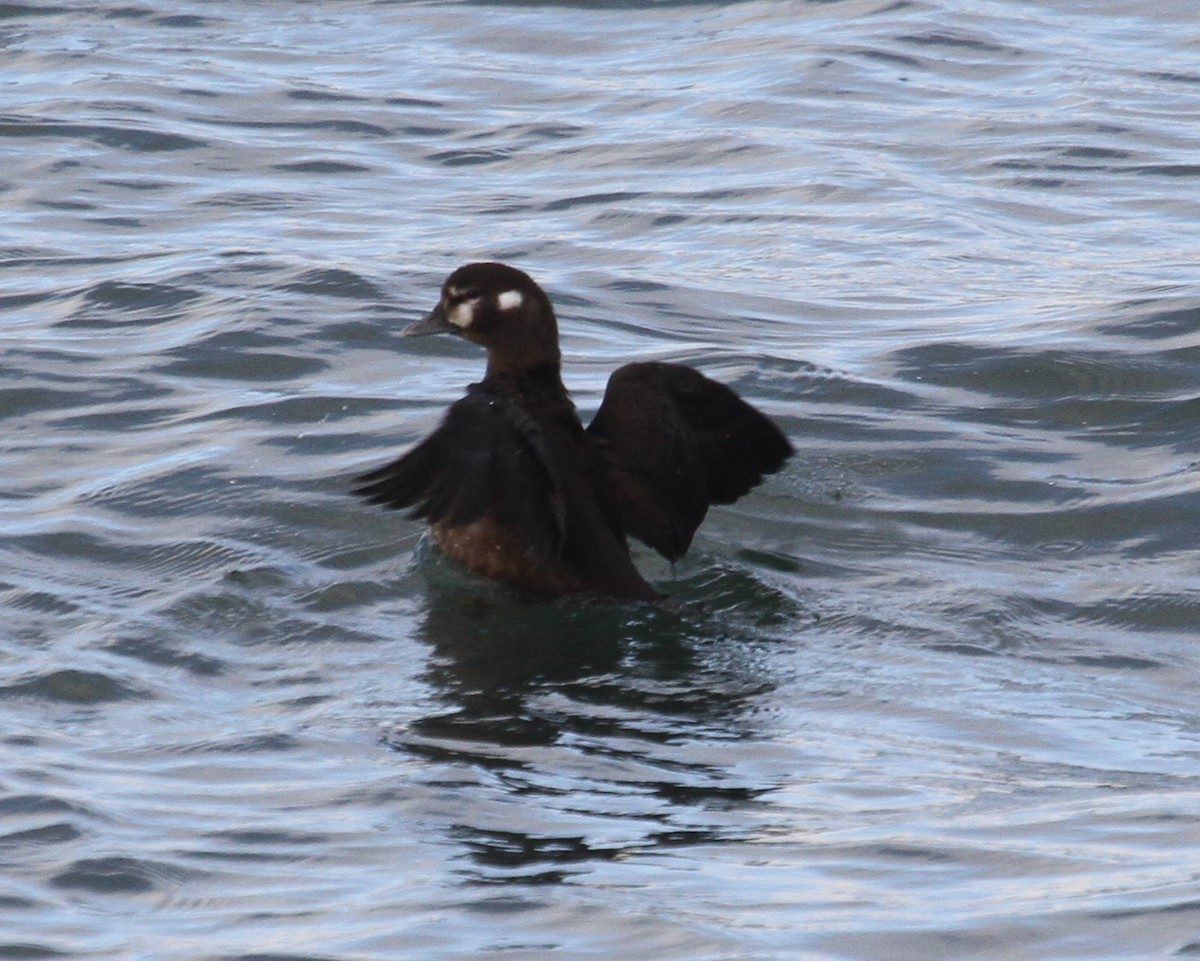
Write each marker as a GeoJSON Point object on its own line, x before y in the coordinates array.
{"type": "Point", "coordinates": [929, 693]}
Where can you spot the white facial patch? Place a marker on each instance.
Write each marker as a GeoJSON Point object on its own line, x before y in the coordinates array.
{"type": "Point", "coordinates": [463, 314]}
{"type": "Point", "coordinates": [510, 300]}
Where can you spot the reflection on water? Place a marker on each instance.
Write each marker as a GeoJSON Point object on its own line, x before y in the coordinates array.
{"type": "Point", "coordinates": [596, 710]}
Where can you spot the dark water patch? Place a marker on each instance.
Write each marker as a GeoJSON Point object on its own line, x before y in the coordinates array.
{"type": "Point", "coordinates": [134, 139]}
{"type": "Point", "coordinates": [1185, 906]}
{"type": "Point", "coordinates": [25, 400]}
{"type": "Point", "coordinates": [152, 649]}
{"type": "Point", "coordinates": [17, 301]}
{"type": "Point", "coordinates": [308, 413]}
{"type": "Point", "coordinates": [770, 560]}
{"type": "Point", "coordinates": [107, 876]}
{"type": "Point", "coordinates": [969, 487]}
{"type": "Point", "coordinates": [965, 650]}
{"type": "Point", "coordinates": [345, 126]}
{"type": "Point", "coordinates": [47, 834]}
{"type": "Point", "coordinates": [1153, 324]}
{"type": "Point", "coordinates": [1096, 153]}
{"type": "Point", "coordinates": [637, 286]}
{"type": "Point", "coordinates": [50, 259]}
{"type": "Point", "coordinates": [68, 205]}
{"type": "Point", "coordinates": [260, 846]}
{"type": "Point", "coordinates": [23, 804]}
{"type": "Point", "coordinates": [1173, 76]}
{"type": "Point", "coordinates": [417, 103]}
{"type": "Point", "coordinates": [551, 131]}
{"type": "Point", "coordinates": [462, 158]}
{"type": "Point", "coordinates": [610, 5]}
{"type": "Point", "coordinates": [334, 282]}
{"type": "Point", "coordinates": [94, 395]}
{"type": "Point", "coordinates": [827, 404]}
{"type": "Point", "coordinates": [1109, 395]}
{"type": "Point", "coordinates": [208, 612]}
{"type": "Point", "coordinates": [203, 94]}
{"type": "Point", "coordinates": [171, 490]}
{"type": "Point", "coordinates": [251, 578]}
{"type": "Point", "coordinates": [206, 360]}
{"type": "Point", "coordinates": [71, 686]}
{"type": "Point", "coordinates": [712, 797]}
{"type": "Point", "coordinates": [118, 302]}
{"type": "Point", "coordinates": [247, 857]}
{"type": "Point", "coordinates": [274, 200]}
{"type": "Point", "coordinates": [270, 837]}
{"type": "Point", "coordinates": [513, 850]}
{"type": "Point", "coordinates": [1117, 527]}
{"type": "Point", "coordinates": [252, 744]}
{"type": "Point", "coordinates": [1120, 421]}
{"type": "Point", "coordinates": [308, 95]}
{"type": "Point", "coordinates": [130, 223]}
{"type": "Point", "coordinates": [321, 167]}
{"type": "Point", "coordinates": [592, 200]}
{"type": "Point", "coordinates": [1044, 183]}
{"type": "Point", "coordinates": [957, 41]}
{"type": "Point", "coordinates": [38, 601]}
{"type": "Point", "coordinates": [1041, 374]}
{"type": "Point", "coordinates": [478, 738]}
{"type": "Point", "coordinates": [886, 56]}
{"type": "Point", "coordinates": [17, 11]}
{"type": "Point", "coordinates": [117, 417]}
{"type": "Point", "coordinates": [250, 618]}
{"type": "Point", "coordinates": [425, 131]}
{"type": "Point", "coordinates": [1167, 170]}
{"type": "Point", "coordinates": [139, 184]}
{"type": "Point", "coordinates": [1053, 628]}
{"type": "Point", "coordinates": [118, 875]}
{"type": "Point", "coordinates": [21, 740]}
{"type": "Point", "coordinates": [1079, 158]}
{"type": "Point", "coordinates": [317, 411]}
{"type": "Point", "coordinates": [1145, 609]}
{"type": "Point", "coordinates": [1117, 662]}
{"type": "Point", "coordinates": [274, 956]}
{"type": "Point", "coordinates": [241, 338]}
{"type": "Point", "coordinates": [27, 950]}
{"type": "Point", "coordinates": [128, 13]}
{"type": "Point", "coordinates": [1176, 423]}
{"type": "Point", "coordinates": [183, 21]}
{"type": "Point", "coordinates": [343, 596]}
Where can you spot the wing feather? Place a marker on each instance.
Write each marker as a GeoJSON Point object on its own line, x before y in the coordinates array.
{"type": "Point", "coordinates": [486, 457]}
{"type": "Point", "coordinates": [675, 442]}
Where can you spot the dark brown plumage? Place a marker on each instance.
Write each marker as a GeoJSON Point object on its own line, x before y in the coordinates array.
{"type": "Point", "coordinates": [516, 489]}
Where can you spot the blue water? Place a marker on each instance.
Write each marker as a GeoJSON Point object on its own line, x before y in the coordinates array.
{"type": "Point", "coordinates": [928, 693]}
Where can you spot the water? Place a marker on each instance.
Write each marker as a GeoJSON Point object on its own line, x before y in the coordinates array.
{"type": "Point", "coordinates": [928, 693]}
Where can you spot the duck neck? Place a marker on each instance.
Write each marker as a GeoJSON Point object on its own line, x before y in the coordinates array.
{"type": "Point", "coordinates": [538, 388]}
{"type": "Point", "coordinates": [542, 368]}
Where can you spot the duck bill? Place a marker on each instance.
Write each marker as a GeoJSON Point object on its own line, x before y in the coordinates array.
{"type": "Point", "coordinates": [434, 322]}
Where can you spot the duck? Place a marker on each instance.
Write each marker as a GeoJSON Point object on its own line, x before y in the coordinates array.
{"type": "Point", "coordinates": [517, 490]}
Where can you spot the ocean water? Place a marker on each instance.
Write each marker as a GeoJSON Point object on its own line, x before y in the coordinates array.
{"type": "Point", "coordinates": [928, 693]}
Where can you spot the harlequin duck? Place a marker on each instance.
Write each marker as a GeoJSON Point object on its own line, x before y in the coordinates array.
{"type": "Point", "coordinates": [516, 489]}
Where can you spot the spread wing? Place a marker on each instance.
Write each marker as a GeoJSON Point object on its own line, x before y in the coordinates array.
{"type": "Point", "coordinates": [675, 442]}
{"type": "Point", "coordinates": [486, 457]}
